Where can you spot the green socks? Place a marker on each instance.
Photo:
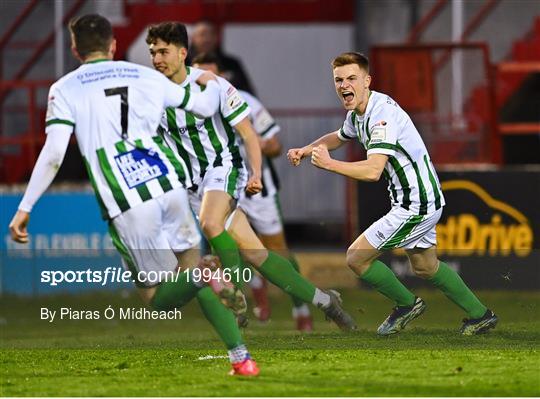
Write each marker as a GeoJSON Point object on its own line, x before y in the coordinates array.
{"type": "Point", "coordinates": [229, 254]}
{"type": "Point", "coordinates": [221, 318]}
{"type": "Point", "coordinates": [280, 272]}
{"type": "Point", "coordinates": [296, 302]}
{"type": "Point", "coordinates": [175, 294]}
{"type": "Point", "coordinates": [449, 282]}
{"type": "Point", "coordinates": [380, 277]}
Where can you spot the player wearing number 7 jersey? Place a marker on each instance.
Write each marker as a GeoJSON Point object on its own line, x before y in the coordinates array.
{"type": "Point", "coordinates": [396, 151]}
{"type": "Point", "coordinates": [115, 107]}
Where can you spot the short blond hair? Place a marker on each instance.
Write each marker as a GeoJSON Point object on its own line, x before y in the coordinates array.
{"type": "Point", "coordinates": [351, 57]}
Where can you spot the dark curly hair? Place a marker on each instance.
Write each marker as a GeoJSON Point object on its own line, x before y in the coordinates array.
{"type": "Point", "coordinates": [169, 32]}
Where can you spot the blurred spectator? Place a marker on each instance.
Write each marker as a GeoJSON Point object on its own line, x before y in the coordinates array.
{"type": "Point", "coordinates": [204, 39]}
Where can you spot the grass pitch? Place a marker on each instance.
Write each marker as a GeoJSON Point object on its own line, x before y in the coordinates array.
{"type": "Point", "coordinates": [185, 358]}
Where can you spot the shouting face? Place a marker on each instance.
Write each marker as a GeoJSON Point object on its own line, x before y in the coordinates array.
{"type": "Point", "coordinates": [352, 86]}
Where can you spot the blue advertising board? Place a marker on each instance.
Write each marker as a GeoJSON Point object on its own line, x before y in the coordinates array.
{"type": "Point", "coordinates": [66, 234]}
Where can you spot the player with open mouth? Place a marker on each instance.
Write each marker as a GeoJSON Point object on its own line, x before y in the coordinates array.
{"type": "Point", "coordinates": [396, 151]}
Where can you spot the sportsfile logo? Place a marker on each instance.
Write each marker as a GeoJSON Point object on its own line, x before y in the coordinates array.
{"type": "Point", "coordinates": [506, 231]}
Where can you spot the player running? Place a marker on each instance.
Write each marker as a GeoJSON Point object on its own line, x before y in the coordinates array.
{"type": "Point", "coordinates": [115, 108]}
{"type": "Point", "coordinates": [263, 210]}
{"type": "Point", "coordinates": [210, 149]}
{"type": "Point", "coordinates": [396, 151]}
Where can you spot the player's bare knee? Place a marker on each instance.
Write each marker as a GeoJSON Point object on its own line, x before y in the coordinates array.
{"type": "Point", "coordinates": [424, 270]}
{"type": "Point", "coordinates": [211, 227]}
{"type": "Point", "coordinates": [356, 262]}
{"type": "Point", "coordinates": [254, 257]}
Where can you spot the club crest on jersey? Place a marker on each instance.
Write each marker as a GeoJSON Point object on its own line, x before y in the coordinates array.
{"type": "Point", "coordinates": [139, 166]}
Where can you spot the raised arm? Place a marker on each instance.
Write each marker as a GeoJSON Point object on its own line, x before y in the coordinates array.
{"type": "Point", "coordinates": [368, 170]}
{"type": "Point", "coordinates": [203, 104]}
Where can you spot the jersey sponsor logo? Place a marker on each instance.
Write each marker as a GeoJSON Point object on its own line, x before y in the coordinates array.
{"type": "Point", "coordinates": [234, 100]}
{"type": "Point", "coordinates": [111, 73]}
{"type": "Point", "coordinates": [501, 232]}
{"type": "Point", "coordinates": [139, 166]}
{"type": "Point", "coordinates": [198, 125]}
{"type": "Point", "coordinates": [378, 134]}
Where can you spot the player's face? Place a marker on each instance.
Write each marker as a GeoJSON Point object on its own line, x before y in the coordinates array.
{"type": "Point", "coordinates": [167, 58]}
{"type": "Point", "coordinates": [352, 85]}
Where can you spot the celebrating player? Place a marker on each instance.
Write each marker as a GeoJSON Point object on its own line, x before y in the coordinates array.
{"type": "Point", "coordinates": [210, 149]}
{"type": "Point", "coordinates": [115, 108]}
{"type": "Point", "coordinates": [396, 151]}
{"type": "Point", "coordinates": [263, 209]}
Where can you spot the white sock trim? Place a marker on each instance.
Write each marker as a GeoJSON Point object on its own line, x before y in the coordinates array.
{"type": "Point", "coordinates": [301, 311]}
{"type": "Point", "coordinates": [321, 299]}
{"type": "Point", "coordinates": [238, 354]}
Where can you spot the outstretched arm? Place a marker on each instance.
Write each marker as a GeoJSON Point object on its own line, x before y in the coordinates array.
{"type": "Point", "coordinates": [331, 141]}
{"type": "Point", "coordinates": [203, 104]}
{"type": "Point", "coordinates": [47, 165]}
{"type": "Point", "coordinates": [369, 170]}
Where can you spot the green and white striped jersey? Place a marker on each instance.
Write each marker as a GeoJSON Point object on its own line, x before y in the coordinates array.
{"type": "Point", "coordinates": [115, 107]}
{"type": "Point", "coordinates": [206, 143]}
{"type": "Point", "coordinates": [386, 129]}
{"type": "Point", "coordinates": [266, 127]}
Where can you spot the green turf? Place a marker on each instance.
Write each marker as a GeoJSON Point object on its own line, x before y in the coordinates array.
{"type": "Point", "coordinates": [162, 358]}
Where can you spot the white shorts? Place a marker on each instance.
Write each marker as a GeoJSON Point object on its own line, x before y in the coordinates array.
{"type": "Point", "coordinates": [263, 213]}
{"type": "Point", "coordinates": [401, 228]}
{"type": "Point", "coordinates": [229, 179]}
{"type": "Point", "coordinates": [148, 235]}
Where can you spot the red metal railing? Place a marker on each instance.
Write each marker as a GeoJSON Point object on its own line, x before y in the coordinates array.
{"type": "Point", "coordinates": [41, 47]}
{"type": "Point", "coordinates": [441, 124]}
{"type": "Point", "coordinates": [518, 68]}
{"type": "Point", "coordinates": [15, 25]}
{"type": "Point", "coordinates": [19, 152]}
{"type": "Point", "coordinates": [425, 21]}
{"type": "Point", "coordinates": [472, 25]}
